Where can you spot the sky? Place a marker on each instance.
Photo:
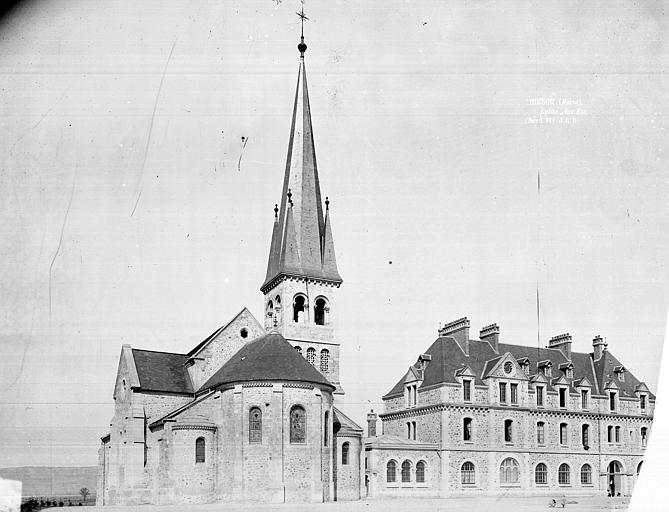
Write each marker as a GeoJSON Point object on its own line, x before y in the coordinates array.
{"type": "Point", "coordinates": [473, 153]}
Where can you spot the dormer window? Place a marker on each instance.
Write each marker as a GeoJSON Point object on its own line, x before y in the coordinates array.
{"type": "Point", "coordinates": [642, 402]}
{"type": "Point", "coordinates": [563, 397]}
{"type": "Point", "coordinates": [613, 399]}
{"type": "Point", "coordinates": [411, 395]}
{"type": "Point", "coordinates": [569, 373]}
{"type": "Point", "coordinates": [620, 373]}
{"type": "Point", "coordinates": [467, 390]}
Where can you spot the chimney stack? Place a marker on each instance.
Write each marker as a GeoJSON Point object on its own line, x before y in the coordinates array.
{"type": "Point", "coordinates": [459, 331]}
{"type": "Point", "coordinates": [490, 333]}
{"type": "Point", "coordinates": [371, 424]}
{"type": "Point", "coordinates": [598, 347]}
{"type": "Point", "coordinates": [563, 343]}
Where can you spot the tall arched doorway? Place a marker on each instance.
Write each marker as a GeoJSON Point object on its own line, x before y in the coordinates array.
{"type": "Point", "coordinates": [615, 478]}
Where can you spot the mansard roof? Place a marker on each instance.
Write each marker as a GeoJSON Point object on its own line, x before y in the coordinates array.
{"type": "Point", "coordinates": [268, 358]}
{"type": "Point", "coordinates": [162, 371]}
{"type": "Point", "coordinates": [605, 373]}
{"type": "Point", "coordinates": [448, 358]}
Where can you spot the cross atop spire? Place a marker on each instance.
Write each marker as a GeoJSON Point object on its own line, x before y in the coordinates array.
{"type": "Point", "coordinates": [302, 244]}
{"type": "Point", "coordinates": [302, 47]}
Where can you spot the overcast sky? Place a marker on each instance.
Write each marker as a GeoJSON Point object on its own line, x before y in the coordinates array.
{"type": "Point", "coordinates": [133, 212]}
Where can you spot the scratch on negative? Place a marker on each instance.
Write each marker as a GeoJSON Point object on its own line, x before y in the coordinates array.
{"type": "Point", "coordinates": [153, 116]}
{"type": "Point", "coordinates": [60, 240]}
{"type": "Point", "coordinates": [239, 163]}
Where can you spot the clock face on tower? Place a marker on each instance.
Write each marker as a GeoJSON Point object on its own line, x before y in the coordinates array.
{"type": "Point", "coordinates": [508, 367]}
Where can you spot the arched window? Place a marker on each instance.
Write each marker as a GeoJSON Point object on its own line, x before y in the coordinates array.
{"type": "Point", "coordinates": [541, 474]}
{"type": "Point", "coordinates": [467, 429]}
{"type": "Point", "coordinates": [391, 471]}
{"type": "Point", "coordinates": [278, 301]}
{"type": "Point", "coordinates": [344, 453]}
{"type": "Point", "coordinates": [617, 433]}
{"type": "Point", "coordinates": [270, 309]}
{"type": "Point", "coordinates": [541, 427]}
{"type": "Point", "coordinates": [311, 356]}
{"type": "Point", "coordinates": [297, 424]}
{"type": "Point", "coordinates": [420, 472]}
{"type": "Point", "coordinates": [586, 474]}
{"type": "Point", "coordinates": [199, 450]}
{"type": "Point", "coordinates": [255, 425]}
{"type": "Point", "coordinates": [585, 435]}
{"type": "Point", "coordinates": [508, 471]}
{"type": "Point", "coordinates": [320, 311]}
{"type": "Point", "coordinates": [609, 431]}
{"type": "Point", "coordinates": [468, 474]}
{"type": "Point", "coordinates": [563, 474]}
{"type": "Point", "coordinates": [326, 424]}
{"type": "Point", "coordinates": [298, 349]}
{"type": "Point", "coordinates": [299, 309]}
{"type": "Point", "coordinates": [406, 471]}
{"type": "Point", "coordinates": [325, 360]}
{"type": "Point", "coordinates": [508, 431]}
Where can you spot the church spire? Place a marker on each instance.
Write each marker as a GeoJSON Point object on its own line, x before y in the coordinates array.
{"type": "Point", "coordinates": [302, 243]}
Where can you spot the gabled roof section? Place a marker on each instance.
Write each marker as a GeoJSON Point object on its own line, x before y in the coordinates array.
{"type": "Point", "coordinates": [162, 371]}
{"type": "Point", "coordinates": [346, 424]}
{"type": "Point", "coordinates": [465, 371]}
{"type": "Point", "coordinates": [561, 381]}
{"type": "Point", "coordinates": [583, 382]}
{"type": "Point", "coordinates": [200, 346]}
{"type": "Point", "coordinates": [302, 241]}
{"type": "Point", "coordinates": [176, 412]}
{"type": "Point", "coordinates": [268, 358]}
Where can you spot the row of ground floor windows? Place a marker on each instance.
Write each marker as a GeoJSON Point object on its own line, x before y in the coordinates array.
{"type": "Point", "coordinates": [406, 471]}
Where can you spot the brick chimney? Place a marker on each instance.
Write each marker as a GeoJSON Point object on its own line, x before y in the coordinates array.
{"type": "Point", "coordinates": [563, 343]}
{"type": "Point", "coordinates": [459, 331]}
{"type": "Point", "coordinates": [371, 423]}
{"type": "Point", "coordinates": [490, 333]}
{"type": "Point", "coordinates": [598, 347]}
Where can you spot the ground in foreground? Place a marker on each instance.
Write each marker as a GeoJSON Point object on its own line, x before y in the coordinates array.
{"type": "Point", "coordinates": [473, 504]}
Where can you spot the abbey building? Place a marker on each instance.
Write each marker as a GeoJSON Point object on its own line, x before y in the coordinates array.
{"type": "Point", "coordinates": [250, 412]}
{"type": "Point", "coordinates": [478, 416]}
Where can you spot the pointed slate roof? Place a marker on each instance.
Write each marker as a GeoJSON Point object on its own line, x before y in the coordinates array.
{"type": "Point", "coordinates": [268, 358]}
{"type": "Point", "coordinates": [302, 242]}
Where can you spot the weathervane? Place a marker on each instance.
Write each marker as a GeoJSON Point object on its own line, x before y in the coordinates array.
{"type": "Point", "coordinates": [302, 47]}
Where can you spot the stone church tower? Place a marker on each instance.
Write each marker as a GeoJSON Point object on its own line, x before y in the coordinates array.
{"type": "Point", "coordinates": [302, 274]}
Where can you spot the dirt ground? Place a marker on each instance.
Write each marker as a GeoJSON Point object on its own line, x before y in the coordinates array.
{"type": "Point", "coordinates": [480, 504]}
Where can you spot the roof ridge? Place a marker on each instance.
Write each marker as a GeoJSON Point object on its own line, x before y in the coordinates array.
{"type": "Point", "coordinates": [157, 351]}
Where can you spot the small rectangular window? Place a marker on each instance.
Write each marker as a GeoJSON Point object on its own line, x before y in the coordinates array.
{"type": "Point", "coordinates": [540, 432]}
{"type": "Point", "coordinates": [642, 402]}
{"type": "Point", "coordinates": [617, 434]}
{"type": "Point", "coordinates": [563, 397]}
{"type": "Point", "coordinates": [612, 401]}
{"type": "Point", "coordinates": [563, 433]}
{"type": "Point", "coordinates": [413, 430]}
{"type": "Point", "coordinates": [502, 392]}
{"type": "Point", "coordinates": [467, 390]}
{"type": "Point", "coordinates": [540, 396]}
{"type": "Point", "coordinates": [584, 399]}
{"type": "Point", "coordinates": [514, 393]}
{"type": "Point", "coordinates": [508, 431]}
{"type": "Point", "coordinates": [609, 435]}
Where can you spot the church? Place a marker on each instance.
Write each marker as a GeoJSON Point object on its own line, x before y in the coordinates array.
{"type": "Point", "coordinates": [249, 414]}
